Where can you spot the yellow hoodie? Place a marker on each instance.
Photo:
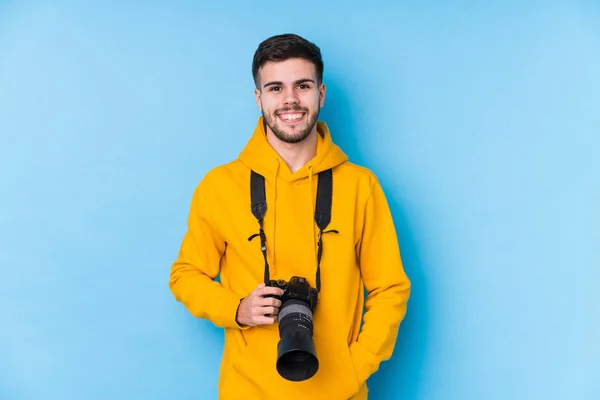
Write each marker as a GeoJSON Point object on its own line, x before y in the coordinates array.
{"type": "Point", "coordinates": [364, 252]}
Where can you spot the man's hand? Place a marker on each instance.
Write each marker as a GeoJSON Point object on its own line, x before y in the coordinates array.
{"type": "Point", "coordinates": [254, 309]}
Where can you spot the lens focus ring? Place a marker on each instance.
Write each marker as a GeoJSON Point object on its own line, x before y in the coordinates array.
{"type": "Point", "coordinates": [295, 308]}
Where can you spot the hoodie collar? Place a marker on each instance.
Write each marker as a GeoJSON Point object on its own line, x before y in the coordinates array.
{"type": "Point", "coordinates": [259, 156]}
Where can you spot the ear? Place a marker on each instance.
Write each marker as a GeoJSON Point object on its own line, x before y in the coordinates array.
{"type": "Point", "coordinates": [257, 97]}
{"type": "Point", "coordinates": [322, 91]}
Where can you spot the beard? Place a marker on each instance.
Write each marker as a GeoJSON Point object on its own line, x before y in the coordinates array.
{"type": "Point", "coordinates": [297, 136]}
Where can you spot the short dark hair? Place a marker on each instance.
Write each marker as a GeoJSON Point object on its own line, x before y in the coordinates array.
{"type": "Point", "coordinates": [283, 47]}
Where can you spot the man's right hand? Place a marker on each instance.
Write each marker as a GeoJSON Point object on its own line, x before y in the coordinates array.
{"type": "Point", "coordinates": [254, 309]}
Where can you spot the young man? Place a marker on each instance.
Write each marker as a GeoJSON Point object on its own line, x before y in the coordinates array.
{"type": "Point", "coordinates": [306, 342]}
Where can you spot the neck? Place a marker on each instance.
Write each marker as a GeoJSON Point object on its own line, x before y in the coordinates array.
{"type": "Point", "coordinates": [295, 155]}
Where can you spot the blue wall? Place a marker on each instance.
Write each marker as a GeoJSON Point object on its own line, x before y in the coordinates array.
{"type": "Point", "coordinates": [482, 123]}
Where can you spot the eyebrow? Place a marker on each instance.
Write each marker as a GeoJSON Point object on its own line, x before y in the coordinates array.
{"type": "Point", "coordinates": [278, 83]}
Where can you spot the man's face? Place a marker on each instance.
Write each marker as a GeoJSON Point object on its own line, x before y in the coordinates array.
{"type": "Point", "coordinates": [289, 98]}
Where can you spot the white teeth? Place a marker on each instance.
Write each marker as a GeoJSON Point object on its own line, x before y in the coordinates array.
{"type": "Point", "coordinates": [291, 117]}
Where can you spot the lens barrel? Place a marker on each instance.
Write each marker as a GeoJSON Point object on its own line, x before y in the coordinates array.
{"type": "Point", "coordinates": [296, 355]}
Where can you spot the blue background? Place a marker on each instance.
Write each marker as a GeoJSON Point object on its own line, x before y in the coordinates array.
{"type": "Point", "coordinates": [482, 122]}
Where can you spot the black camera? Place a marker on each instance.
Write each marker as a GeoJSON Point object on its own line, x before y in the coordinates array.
{"type": "Point", "coordinates": [296, 355]}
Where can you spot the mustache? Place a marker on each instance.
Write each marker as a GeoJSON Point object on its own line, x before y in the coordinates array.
{"type": "Point", "coordinates": [295, 108]}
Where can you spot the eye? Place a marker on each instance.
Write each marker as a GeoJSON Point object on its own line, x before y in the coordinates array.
{"type": "Point", "coordinates": [274, 88]}
{"type": "Point", "coordinates": [303, 86]}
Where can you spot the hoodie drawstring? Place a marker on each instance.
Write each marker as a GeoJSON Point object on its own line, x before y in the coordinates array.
{"type": "Point", "coordinates": [275, 175]}
{"type": "Point", "coordinates": [312, 207]}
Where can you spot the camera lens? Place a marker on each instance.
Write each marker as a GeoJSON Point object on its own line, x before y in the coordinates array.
{"type": "Point", "coordinates": [296, 356]}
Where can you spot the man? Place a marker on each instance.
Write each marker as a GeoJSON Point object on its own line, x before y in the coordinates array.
{"type": "Point", "coordinates": [248, 243]}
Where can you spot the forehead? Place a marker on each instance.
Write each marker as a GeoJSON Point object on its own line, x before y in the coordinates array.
{"type": "Point", "coordinates": [287, 71]}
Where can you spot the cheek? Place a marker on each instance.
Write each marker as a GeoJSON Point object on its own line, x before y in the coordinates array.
{"type": "Point", "coordinates": [268, 105]}
{"type": "Point", "coordinates": [312, 101]}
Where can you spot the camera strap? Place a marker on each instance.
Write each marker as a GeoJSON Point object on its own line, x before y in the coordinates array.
{"type": "Point", "coordinates": [322, 214]}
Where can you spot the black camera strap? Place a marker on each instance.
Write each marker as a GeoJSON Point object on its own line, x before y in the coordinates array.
{"type": "Point", "coordinates": [259, 209]}
{"type": "Point", "coordinates": [322, 214]}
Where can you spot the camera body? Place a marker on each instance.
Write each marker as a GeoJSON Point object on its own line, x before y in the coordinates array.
{"type": "Point", "coordinates": [297, 288]}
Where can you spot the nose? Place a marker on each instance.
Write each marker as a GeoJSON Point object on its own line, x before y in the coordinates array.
{"type": "Point", "coordinates": [290, 98]}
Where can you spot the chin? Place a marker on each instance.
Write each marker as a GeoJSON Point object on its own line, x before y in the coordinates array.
{"type": "Point", "coordinates": [297, 136]}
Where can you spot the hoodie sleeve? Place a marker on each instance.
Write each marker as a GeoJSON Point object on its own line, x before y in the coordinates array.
{"type": "Point", "coordinates": [387, 285]}
{"type": "Point", "coordinates": [193, 274]}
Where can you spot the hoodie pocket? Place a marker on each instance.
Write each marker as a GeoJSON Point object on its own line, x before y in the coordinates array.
{"type": "Point", "coordinates": [256, 366]}
{"type": "Point", "coordinates": [353, 371]}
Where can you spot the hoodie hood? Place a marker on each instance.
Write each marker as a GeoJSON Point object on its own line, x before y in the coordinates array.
{"type": "Point", "coordinates": [259, 156]}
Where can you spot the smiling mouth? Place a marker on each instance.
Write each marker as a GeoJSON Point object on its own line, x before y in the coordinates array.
{"type": "Point", "coordinates": [291, 118]}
